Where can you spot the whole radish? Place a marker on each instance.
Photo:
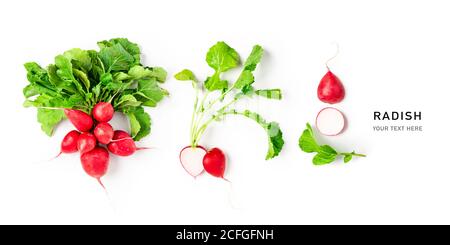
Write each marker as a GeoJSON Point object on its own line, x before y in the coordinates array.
{"type": "Point", "coordinates": [86, 142]}
{"type": "Point", "coordinates": [69, 143]}
{"type": "Point", "coordinates": [104, 133]}
{"type": "Point", "coordinates": [103, 112]}
{"type": "Point", "coordinates": [122, 144]}
{"type": "Point", "coordinates": [81, 120]}
{"type": "Point", "coordinates": [214, 162]}
{"type": "Point", "coordinates": [330, 89]}
{"type": "Point", "coordinates": [95, 162]}
{"type": "Point", "coordinates": [191, 158]}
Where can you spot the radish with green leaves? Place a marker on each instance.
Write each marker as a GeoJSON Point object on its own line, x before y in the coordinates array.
{"type": "Point", "coordinates": [214, 100]}
{"type": "Point", "coordinates": [88, 87]}
{"type": "Point", "coordinates": [97, 83]}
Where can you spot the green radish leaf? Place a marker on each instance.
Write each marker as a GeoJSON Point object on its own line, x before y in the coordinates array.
{"type": "Point", "coordinates": [65, 72]}
{"type": "Point", "coordinates": [39, 81]}
{"type": "Point", "coordinates": [116, 58]}
{"type": "Point", "coordinates": [128, 100]}
{"type": "Point", "coordinates": [81, 76]}
{"type": "Point", "coordinates": [185, 75]}
{"type": "Point", "coordinates": [49, 119]}
{"type": "Point", "coordinates": [214, 83]}
{"type": "Point", "coordinates": [222, 57]}
{"type": "Point", "coordinates": [157, 72]}
{"type": "Point", "coordinates": [270, 93]}
{"type": "Point", "coordinates": [134, 124]}
{"type": "Point", "coordinates": [276, 141]}
{"type": "Point", "coordinates": [140, 123]}
{"type": "Point", "coordinates": [139, 72]}
{"type": "Point", "coordinates": [274, 134]}
{"type": "Point", "coordinates": [79, 58]}
{"type": "Point", "coordinates": [307, 142]}
{"type": "Point", "coordinates": [327, 150]}
{"type": "Point", "coordinates": [322, 158]}
{"type": "Point", "coordinates": [348, 158]}
{"type": "Point", "coordinates": [325, 153]}
{"type": "Point", "coordinates": [130, 47]}
{"type": "Point", "coordinates": [246, 78]}
{"type": "Point", "coordinates": [254, 58]}
{"type": "Point", "coordinates": [149, 92]}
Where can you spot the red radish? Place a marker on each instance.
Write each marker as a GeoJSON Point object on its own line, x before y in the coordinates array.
{"type": "Point", "coordinates": [122, 144]}
{"type": "Point", "coordinates": [103, 112]}
{"type": "Point", "coordinates": [330, 89]}
{"type": "Point", "coordinates": [330, 121]}
{"type": "Point", "coordinates": [69, 143]}
{"type": "Point", "coordinates": [104, 132]}
{"type": "Point", "coordinates": [191, 159]}
{"type": "Point", "coordinates": [95, 162]}
{"type": "Point", "coordinates": [86, 142]}
{"type": "Point", "coordinates": [214, 162]}
{"type": "Point", "coordinates": [81, 120]}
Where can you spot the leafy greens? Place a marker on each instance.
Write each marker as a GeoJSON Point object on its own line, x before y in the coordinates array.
{"type": "Point", "coordinates": [222, 58]}
{"type": "Point", "coordinates": [79, 79]}
{"type": "Point", "coordinates": [325, 154]}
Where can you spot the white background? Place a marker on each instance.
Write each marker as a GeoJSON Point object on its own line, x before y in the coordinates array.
{"type": "Point", "coordinates": [394, 55]}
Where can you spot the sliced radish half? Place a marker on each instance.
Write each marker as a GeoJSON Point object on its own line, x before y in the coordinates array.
{"type": "Point", "coordinates": [192, 159]}
{"type": "Point", "coordinates": [330, 121]}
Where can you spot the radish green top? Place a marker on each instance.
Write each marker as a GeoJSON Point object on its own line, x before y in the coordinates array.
{"type": "Point", "coordinates": [325, 154]}
{"type": "Point", "coordinates": [79, 79]}
{"type": "Point", "coordinates": [217, 96]}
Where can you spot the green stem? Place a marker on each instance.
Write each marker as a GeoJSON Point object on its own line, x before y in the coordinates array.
{"type": "Point", "coordinates": [221, 112]}
{"type": "Point", "coordinates": [199, 114]}
{"type": "Point", "coordinates": [220, 97]}
{"type": "Point", "coordinates": [194, 112]}
{"type": "Point", "coordinates": [353, 154]}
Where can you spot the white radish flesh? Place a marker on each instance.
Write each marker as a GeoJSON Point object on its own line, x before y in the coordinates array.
{"type": "Point", "coordinates": [192, 159]}
{"type": "Point", "coordinates": [330, 121]}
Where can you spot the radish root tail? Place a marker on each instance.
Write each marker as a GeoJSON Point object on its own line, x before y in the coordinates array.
{"type": "Point", "coordinates": [59, 154]}
{"type": "Point", "coordinates": [334, 56]}
{"type": "Point", "coordinates": [101, 183]}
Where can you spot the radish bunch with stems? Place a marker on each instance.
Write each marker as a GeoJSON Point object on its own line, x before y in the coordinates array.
{"type": "Point", "coordinates": [215, 99]}
{"type": "Point", "coordinates": [88, 87]}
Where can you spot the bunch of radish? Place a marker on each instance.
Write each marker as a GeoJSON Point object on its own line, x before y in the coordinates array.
{"type": "Point", "coordinates": [95, 138]}
{"type": "Point", "coordinates": [197, 159]}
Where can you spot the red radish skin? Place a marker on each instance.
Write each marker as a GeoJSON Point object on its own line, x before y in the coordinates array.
{"type": "Point", "coordinates": [81, 120]}
{"type": "Point", "coordinates": [86, 142]}
{"type": "Point", "coordinates": [122, 144]}
{"type": "Point", "coordinates": [214, 162]}
{"type": "Point", "coordinates": [104, 133]}
{"type": "Point", "coordinates": [103, 112]}
{"type": "Point", "coordinates": [192, 159]}
{"type": "Point", "coordinates": [95, 163]}
{"type": "Point", "coordinates": [70, 142]}
{"type": "Point", "coordinates": [330, 89]}
{"type": "Point", "coordinates": [330, 121]}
